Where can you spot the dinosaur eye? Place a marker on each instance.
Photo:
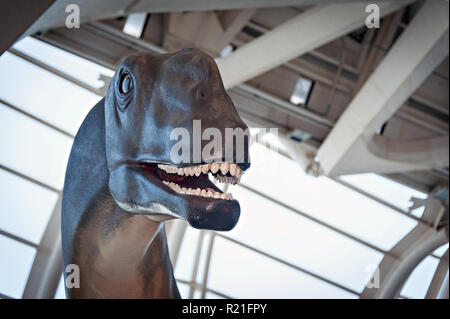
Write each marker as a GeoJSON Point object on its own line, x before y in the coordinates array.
{"type": "Point", "coordinates": [202, 93]}
{"type": "Point", "coordinates": [126, 84]}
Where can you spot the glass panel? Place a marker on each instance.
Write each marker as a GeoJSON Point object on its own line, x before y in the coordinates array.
{"type": "Point", "coordinates": [384, 188]}
{"type": "Point", "coordinates": [185, 262]}
{"type": "Point", "coordinates": [202, 259]}
{"type": "Point", "coordinates": [441, 250]}
{"type": "Point", "coordinates": [184, 290]}
{"type": "Point", "coordinates": [60, 291]}
{"type": "Point", "coordinates": [32, 148]}
{"type": "Point", "coordinates": [416, 286]}
{"type": "Point", "coordinates": [25, 207]}
{"type": "Point", "coordinates": [16, 260]}
{"type": "Point", "coordinates": [75, 66]}
{"type": "Point", "coordinates": [197, 294]}
{"type": "Point", "coordinates": [242, 273]}
{"type": "Point", "coordinates": [44, 94]}
{"type": "Point", "coordinates": [282, 179]}
{"type": "Point", "coordinates": [418, 212]}
{"type": "Point", "coordinates": [291, 237]}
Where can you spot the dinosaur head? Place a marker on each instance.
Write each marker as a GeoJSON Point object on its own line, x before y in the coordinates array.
{"type": "Point", "coordinates": [170, 127]}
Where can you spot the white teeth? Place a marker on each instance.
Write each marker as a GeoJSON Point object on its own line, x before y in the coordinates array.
{"type": "Point", "coordinates": [205, 168]}
{"type": "Point", "coordinates": [166, 168]}
{"type": "Point", "coordinates": [214, 167]}
{"type": "Point", "coordinates": [233, 168]}
{"type": "Point", "coordinates": [228, 172]}
{"type": "Point", "coordinates": [224, 167]}
{"type": "Point", "coordinates": [211, 193]}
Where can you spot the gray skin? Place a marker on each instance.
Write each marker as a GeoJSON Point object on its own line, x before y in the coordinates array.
{"type": "Point", "coordinates": [114, 202]}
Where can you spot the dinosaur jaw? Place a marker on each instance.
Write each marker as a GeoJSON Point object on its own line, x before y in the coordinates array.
{"type": "Point", "coordinates": [209, 207]}
{"type": "Point", "coordinates": [194, 181]}
{"type": "Point", "coordinates": [163, 192]}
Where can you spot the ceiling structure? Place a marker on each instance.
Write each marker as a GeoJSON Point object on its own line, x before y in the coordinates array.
{"type": "Point", "coordinates": [273, 43]}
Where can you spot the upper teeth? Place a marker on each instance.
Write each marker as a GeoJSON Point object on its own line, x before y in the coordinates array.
{"type": "Point", "coordinates": [199, 192]}
{"type": "Point", "coordinates": [225, 168]}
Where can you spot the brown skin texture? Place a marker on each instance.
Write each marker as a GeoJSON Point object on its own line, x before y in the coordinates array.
{"type": "Point", "coordinates": [129, 262]}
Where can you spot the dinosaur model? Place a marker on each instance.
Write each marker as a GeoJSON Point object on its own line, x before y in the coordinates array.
{"type": "Point", "coordinates": [121, 183]}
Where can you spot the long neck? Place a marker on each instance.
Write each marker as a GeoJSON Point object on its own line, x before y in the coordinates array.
{"type": "Point", "coordinates": [120, 255]}
{"type": "Point", "coordinates": [86, 176]}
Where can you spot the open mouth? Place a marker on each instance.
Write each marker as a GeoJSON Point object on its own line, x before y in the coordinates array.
{"type": "Point", "coordinates": [194, 180]}
{"type": "Point", "coordinates": [163, 191]}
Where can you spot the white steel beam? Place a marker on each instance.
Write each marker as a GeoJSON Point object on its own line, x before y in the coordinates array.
{"type": "Point", "coordinates": [306, 32]}
{"type": "Point", "coordinates": [207, 5]}
{"type": "Point", "coordinates": [353, 146]}
{"type": "Point", "coordinates": [90, 10]}
{"type": "Point", "coordinates": [443, 293]}
{"type": "Point", "coordinates": [440, 279]}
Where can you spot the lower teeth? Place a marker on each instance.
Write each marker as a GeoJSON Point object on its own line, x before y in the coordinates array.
{"type": "Point", "coordinates": [198, 192]}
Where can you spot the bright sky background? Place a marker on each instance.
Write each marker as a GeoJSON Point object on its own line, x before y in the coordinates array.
{"type": "Point", "coordinates": [41, 153]}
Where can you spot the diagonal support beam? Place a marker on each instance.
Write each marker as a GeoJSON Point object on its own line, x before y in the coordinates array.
{"type": "Point", "coordinates": [16, 17]}
{"type": "Point", "coordinates": [232, 21]}
{"type": "Point", "coordinates": [352, 146]}
{"type": "Point", "coordinates": [96, 10]}
{"type": "Point", "coordinates": [306, 32]}
{"type": "Point", "coordinates": [439, 279]}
